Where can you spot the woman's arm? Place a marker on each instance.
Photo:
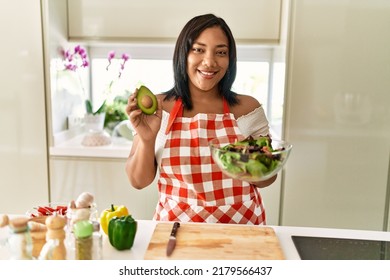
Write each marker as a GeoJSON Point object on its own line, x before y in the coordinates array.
{"type": "Point", "coordinates": [141, 164]}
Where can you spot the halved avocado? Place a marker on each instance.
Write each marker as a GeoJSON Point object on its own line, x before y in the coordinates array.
{"type": "Point", "coordinates": [146, 100]}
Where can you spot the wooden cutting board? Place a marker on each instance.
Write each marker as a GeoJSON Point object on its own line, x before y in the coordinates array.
{"type": "Point", "coordinates": [197, 241]}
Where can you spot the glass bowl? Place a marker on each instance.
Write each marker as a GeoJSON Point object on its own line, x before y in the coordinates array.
{"type": "Point", "coordinates": [40, 212]}
{"type": "Point", "coordinates": [48, 209]}
{"type": "Point", "coordinates": [248, 159]}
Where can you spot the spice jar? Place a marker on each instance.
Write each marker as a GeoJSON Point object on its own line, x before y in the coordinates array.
{"type": "Point", "coordinates": [20, 242]}
{"type": "Point", "coordinates": [83, 231]}
{"type": "Point", "coordinates": [75, 215]}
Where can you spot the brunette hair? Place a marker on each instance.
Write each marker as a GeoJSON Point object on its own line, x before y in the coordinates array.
{"type": "Point", "coordinates": [187, 37]}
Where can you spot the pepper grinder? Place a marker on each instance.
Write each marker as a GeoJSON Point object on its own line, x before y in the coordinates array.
{"type": "Point", "coordinates": [54, 249]}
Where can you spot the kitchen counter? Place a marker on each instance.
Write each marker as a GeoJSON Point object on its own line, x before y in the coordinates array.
{"type": "Point", "coordinates": [284, 233]}
{"type": "Point", "coordinates": [119, 148]}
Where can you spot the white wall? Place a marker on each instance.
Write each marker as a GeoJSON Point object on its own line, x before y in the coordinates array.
{"type": "Point", "coordinates": [23, 149]}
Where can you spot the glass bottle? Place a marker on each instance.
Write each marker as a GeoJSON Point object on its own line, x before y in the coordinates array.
{"type": "Point", "coordinates": [97, 242]}
{"type": "Point", "coordinates": [19, 241]}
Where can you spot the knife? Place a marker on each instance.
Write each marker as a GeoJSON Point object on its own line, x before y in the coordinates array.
{"type": "Point", "coordinates": [172, 238]}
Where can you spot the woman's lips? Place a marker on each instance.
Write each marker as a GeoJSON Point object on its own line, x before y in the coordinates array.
{"type": "Point", "coordinates": [207, 74]}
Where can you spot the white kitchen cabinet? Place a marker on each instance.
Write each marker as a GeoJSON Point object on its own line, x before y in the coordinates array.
{"type": "Point", "coordinates": [251, 21]}
{"type": "Point", "coordinates": [337, 115]}
{"type": "Point", "coordinates": [23, 149]}
{"type": "Point", "coordinates": [105, 179]}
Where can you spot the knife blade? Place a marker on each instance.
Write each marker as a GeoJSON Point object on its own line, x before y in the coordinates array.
{"type": "Point", "coordinates": [172, 239]}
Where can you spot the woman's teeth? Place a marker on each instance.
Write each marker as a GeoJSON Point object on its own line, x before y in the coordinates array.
{"type": "Point", "coordinates": [207, 73]}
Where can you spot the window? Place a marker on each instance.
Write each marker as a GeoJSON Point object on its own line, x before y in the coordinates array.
{"type": "Point", "coordinates": [257, 75]}
{"type": "Point", "coordinates": [156, 74]}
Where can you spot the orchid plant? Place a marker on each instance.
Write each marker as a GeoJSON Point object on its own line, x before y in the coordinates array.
{"type": "Point", "coordinates": [76, 58]}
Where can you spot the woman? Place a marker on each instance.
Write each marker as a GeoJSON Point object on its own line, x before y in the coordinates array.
{"type": "Point", "coordinates": [173, 142]}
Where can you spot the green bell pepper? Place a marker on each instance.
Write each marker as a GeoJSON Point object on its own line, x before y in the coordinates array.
{"type": "Point", "coordinates": [121, 232]}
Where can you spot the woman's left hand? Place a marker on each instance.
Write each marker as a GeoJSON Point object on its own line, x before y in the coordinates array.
{"type": "Point", "coordinates": [146, 126]}
{"type": "Point", "coordinates": [265, 183]}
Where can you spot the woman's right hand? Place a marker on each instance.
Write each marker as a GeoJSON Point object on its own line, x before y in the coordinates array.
{"type": "Point", "coordinates": [146, 126]}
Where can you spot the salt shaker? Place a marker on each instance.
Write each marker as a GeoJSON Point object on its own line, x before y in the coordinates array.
{"type": "Point", "coordinates": [97, 242]}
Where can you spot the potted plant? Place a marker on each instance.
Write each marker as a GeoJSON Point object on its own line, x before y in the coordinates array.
{"type": "Point", "coordinates": [77, 58]}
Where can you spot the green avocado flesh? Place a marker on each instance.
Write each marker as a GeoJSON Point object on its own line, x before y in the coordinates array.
{"type": "Point", "coordinates": [146, 100]}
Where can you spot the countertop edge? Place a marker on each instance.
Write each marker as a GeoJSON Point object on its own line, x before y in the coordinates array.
{"type": "Point", "coordinates": [119, 148]}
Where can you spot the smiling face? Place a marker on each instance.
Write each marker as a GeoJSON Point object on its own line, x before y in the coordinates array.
{"type": "Point", "coordinates": [208, 60]}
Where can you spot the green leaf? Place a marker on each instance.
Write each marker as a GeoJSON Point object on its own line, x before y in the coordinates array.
{"type": "Point", "coordinates": [256, 168]}
{"type": "Point", "coordinates": [89, 109]}
{"type": "Point", "coordinates": [88, 106]}
{"type": "Point", "coordinates": [101, 108]}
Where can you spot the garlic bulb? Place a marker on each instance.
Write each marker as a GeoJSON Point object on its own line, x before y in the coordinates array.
{"type": "Point", "coordinates": [84, 200]}
{"type": "Point", "coordinates": [80, 215]}
{"type": "Point", "coordinates": [4, 221]}
{"type": "Point", "coordinates": [72, 204]}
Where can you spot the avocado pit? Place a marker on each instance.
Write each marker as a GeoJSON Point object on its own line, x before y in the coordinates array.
{"type": "Point", "coordinates": [146, 101]}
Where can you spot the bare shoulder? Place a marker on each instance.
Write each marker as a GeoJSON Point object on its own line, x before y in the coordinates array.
{"type": "Point", "coordinates": [166, 104]}
{"type": "Point", "coordinates": [246, 105]}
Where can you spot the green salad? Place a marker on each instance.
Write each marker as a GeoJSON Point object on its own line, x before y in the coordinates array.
{"type": "Point", "coordinates": [250, 158]}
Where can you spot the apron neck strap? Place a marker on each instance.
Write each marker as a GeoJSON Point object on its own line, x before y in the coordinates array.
{"type": "Point", "coordinates": [177, 111]}
{"type": "Point", "coordinates": [226, 109]}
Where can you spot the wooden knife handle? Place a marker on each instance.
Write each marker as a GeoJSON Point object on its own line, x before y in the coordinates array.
{"type": "Point", "coordinates": [176, 225]}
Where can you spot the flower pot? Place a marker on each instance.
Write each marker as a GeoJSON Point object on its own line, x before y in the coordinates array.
{"type": "Point", "coordinates": [96, 138]}
{"type": "Point", "coordinates": [94, 122]}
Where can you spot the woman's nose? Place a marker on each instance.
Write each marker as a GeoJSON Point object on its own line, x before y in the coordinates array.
{"type": "Point", "coordinates": [209, 60]}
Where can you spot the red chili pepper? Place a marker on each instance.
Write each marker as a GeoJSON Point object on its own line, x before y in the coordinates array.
{"type": "Point", "coordinates": [45, 211]}
{"type": "Point", "coordinates": [61, 210]}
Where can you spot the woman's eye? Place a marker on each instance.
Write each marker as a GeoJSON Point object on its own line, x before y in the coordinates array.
{"type": "Point", "coordinates": [197, 50]}
{"type": "Point", "coordinates": [222, 53]}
